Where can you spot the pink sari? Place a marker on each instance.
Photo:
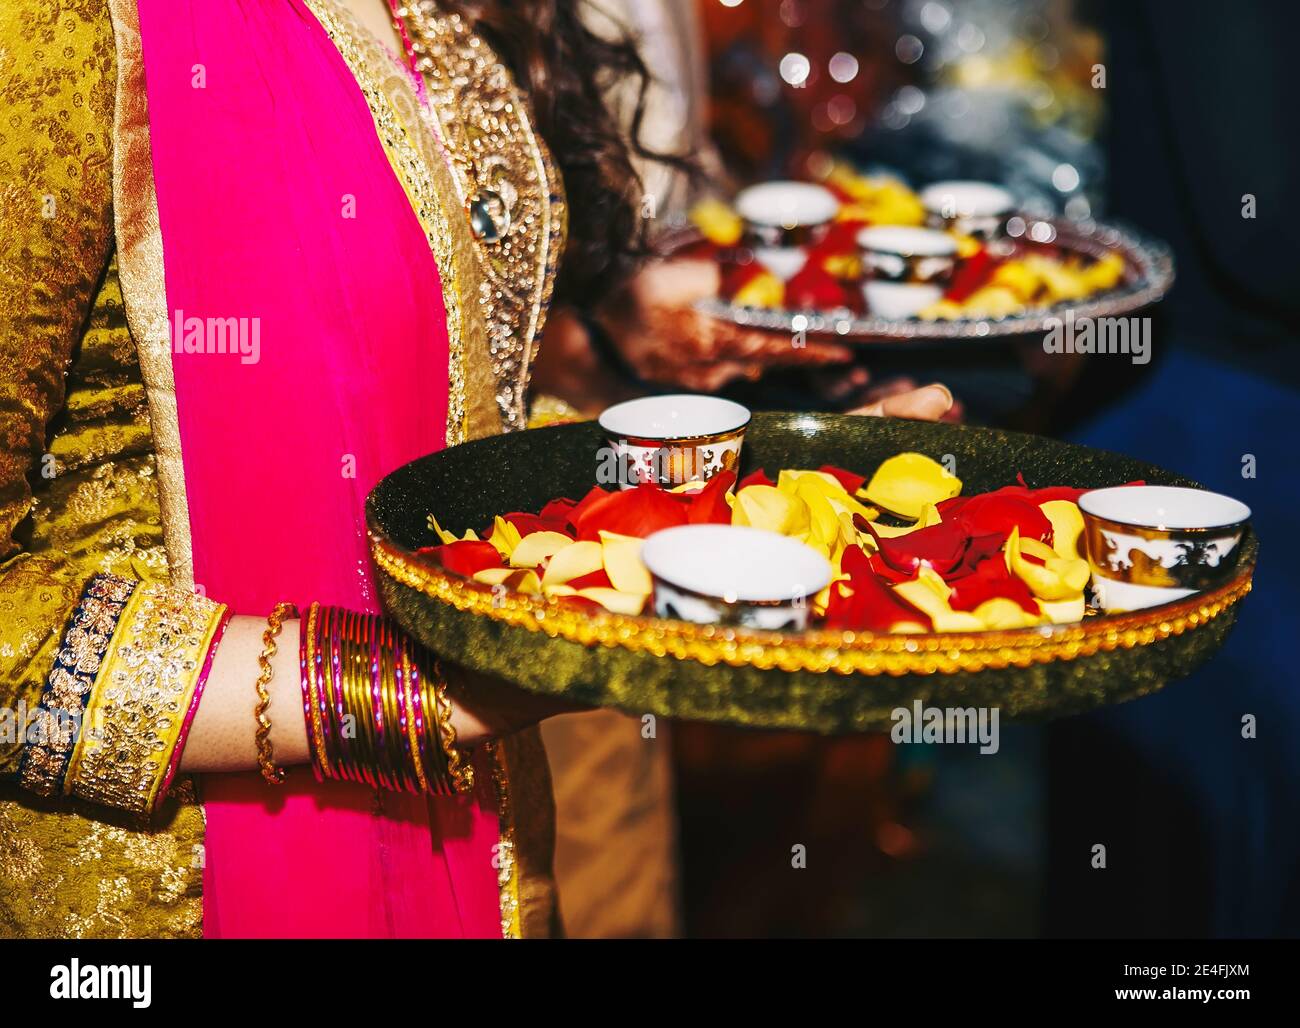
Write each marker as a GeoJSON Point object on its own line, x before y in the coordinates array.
{"type": "Point", "coordinates": [278, 205]}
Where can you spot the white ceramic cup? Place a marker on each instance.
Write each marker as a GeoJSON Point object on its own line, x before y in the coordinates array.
{"type": "Point", "coordinates": [1151, 544]}
{"type": "Point", "coordinates": [734, 575]}
{"type": "Point", "coordinates": [970, 208]}
{"type": "Point", "coordinates": [671, 440]}
{"type": "Point", "coordinates": [907, 268]}
{"type": "Point", "coordinates": [780, 218]}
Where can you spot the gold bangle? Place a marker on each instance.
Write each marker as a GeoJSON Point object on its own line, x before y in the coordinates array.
{"type": "Point", "coordinates": [412, 730]}
{"type": "Point", "coordinates": [265, 752]}
{"type": "Point", "coordinates": [461, 774]}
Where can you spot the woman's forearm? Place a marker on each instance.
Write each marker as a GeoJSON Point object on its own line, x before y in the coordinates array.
{"type": "Point", "coordinates": [222, 736]}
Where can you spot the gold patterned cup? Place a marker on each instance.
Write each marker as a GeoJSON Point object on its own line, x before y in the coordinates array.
{"type": "Point", "coordinates": [671, 440]}
{"type": "Point", "coordinates": [1151, 544]}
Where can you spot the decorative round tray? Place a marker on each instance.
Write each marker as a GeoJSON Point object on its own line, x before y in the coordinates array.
{"type": "Point", "coordinates": [1148, 274]}
{"type": "Point", "coordinates": [817, 680]}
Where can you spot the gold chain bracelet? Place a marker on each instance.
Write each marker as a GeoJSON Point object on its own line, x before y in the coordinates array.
{"type": "Point", "coordinates": [461, 774]}
{"type": "Point", "coordinates": [265, 752]}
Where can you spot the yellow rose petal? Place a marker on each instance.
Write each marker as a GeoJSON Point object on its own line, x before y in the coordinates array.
{"type": "Point", "coordinates": [929, 592]}
{"type": "Point", "coordinates": [448, 537]}
{"type": "Point", "coordinates": [1074, 573]}
{"type": "Point", "coordinates": [967, 246]}
{"type": "Point", "coordinates": [717, 222]}
{"type": "Point", "coordinates": [521, 580]}
{"type": "Point", "coordinates": [536, 547]}
{"type": "Point", "coordinates": [615, 601]}
{"type": "Point", "coordinates": [992, 302]}
{"type": "Point", "coordinates": [505, 537]}
{"type": "Point", "coordinates": [941, 310]}
{"type": "Point", "coordinates": [1002, 613]}
{"type": "Point", "coordinates": [1017, 276]}
{"type": "Point", "coordinates": [1105, 274]}
{"type": "Point", "coordinates": [765, 506]}
{"type": "Point", "coordinates": [1046, 582]}
{"type": "Point", "coordinates": [1067, 527]}
{"type": "Point", "coordinates": [763, 290]}
{"type": "Point", "coordinates": [622, 558]}
{"type": "Point", "coordinates": [573, 561]}
{"type": "Point", "coordinates": [906, 482]}
{"type": "Point", "coordinates": [1063, 612]}
{"type": "Point", "coordinates": [1035, 548]}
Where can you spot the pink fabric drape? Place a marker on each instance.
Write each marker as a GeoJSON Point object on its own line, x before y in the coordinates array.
{"type": "Point", "coordinates": [279, 209]}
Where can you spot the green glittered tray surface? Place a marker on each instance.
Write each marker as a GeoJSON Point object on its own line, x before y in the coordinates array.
{"type": "Point", "coordinates": [817, 680]}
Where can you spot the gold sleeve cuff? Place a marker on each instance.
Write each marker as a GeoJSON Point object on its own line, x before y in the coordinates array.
{"type": "Point", "coordinates": [143, 698]}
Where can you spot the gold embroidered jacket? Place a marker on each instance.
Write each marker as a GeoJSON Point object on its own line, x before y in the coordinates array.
{"type": "Point", "coordinates": [91, 479]}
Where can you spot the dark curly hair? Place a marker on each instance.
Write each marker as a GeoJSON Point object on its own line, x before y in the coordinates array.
{"type": "Point", "coordinates": [568, 71]}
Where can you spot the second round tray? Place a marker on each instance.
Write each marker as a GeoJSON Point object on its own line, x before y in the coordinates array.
{"type": "Point", "coordinates": [1148, 275]}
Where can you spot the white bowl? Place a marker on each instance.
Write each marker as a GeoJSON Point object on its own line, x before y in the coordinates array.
{"type": "Point", "coordinates": [786, 204]}
{"type": "Point", "coordinates": [1151, 544]}
{"type": "Point", "coordinates": [729, 574]}
{"type": "Point", "coordinates": [671, 440]}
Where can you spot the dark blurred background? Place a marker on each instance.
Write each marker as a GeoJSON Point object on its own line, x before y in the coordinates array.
{"type": "Point", "coordinates": [1190, 125]}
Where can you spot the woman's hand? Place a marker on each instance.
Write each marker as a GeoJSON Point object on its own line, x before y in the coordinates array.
{"type": "Point", "coordinates": [928, 403]}
{"type": "Point", "coordinates": [663, 339]}
{"type": "Point", "coordinates": [487, 707]}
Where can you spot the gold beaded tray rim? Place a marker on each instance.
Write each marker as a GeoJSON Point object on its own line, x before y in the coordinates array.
{"type": "Point", "coordinates": [818, 651]}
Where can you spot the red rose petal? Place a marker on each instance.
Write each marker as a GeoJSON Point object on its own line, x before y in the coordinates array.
{"type": "Point", "coordinates": [973, 274]}
{"type": "Point", "coordinates": [866, 602]}
{"type": "Point", "coordinates": [737, 269]}
{"type": "Point", "coordinates": [951, 505]}
{"type": "Point", "coordinates": [636, 512]}
{"type": "Point", "coordinates": [841, 237]}
{"type": "Point", "coordinates": [466, 557]}
{"type": "Point", "coordinates": [991, 580]}
{"type": "Point", "coordinates": [882, 569]}
{"type": "Point", "coordinates": [586, 603]}
{"type": "Point", "coordinates": [758, 477]}
{"type": "Point", "coordinates": [999, 512]}
{"type": "Point", "coordinates": [709, 506]}
{"type": "Point", "coordinates": [527, 524]}
{"type": "Point", "coordinates": [598, 579]}
{"type": "Point", "coordinates": [559, 510]}
{"type": "Point", "coordinates": [815, 288]}
{"type": "Point", "coordinates": [940, 546]}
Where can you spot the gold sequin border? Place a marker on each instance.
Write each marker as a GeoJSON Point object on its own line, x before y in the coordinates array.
{"type": "Point", "coordinates": [57, 720]}
{"type": "Point", "coordinates": [844, 653]}
{"type": "Point", "coordinates": [463, 75]}
{"type": "Point", "coordinates": [506, 866]}
{"type": "Point", "coordinates": [136, 711]}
